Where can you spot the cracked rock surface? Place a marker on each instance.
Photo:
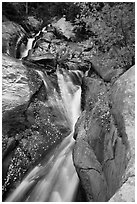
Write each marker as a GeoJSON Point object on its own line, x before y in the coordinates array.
{"type": "Point", "coordinates": [11, 33]}
{"type": "Point", "coordinates": [123, 106]}
{"type": "Point", "coordinates": [104, 150]}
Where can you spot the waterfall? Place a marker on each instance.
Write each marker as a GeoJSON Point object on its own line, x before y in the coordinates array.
{"type": "Point", "coordinates": [24, 52]}
{"type": "Point", "coordinates": [70, 94]}
{"type": "Point", "coordinates": [55, 180]}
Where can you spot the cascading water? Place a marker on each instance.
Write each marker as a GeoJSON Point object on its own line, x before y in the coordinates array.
{"type": "Point", "coordinates": [28, 47]}
{"type": "Point", "coordinates": [55, 180]}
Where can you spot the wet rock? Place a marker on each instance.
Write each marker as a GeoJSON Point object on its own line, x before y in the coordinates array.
{"type": "Point", "coordinates": [41, 47]}
{"type": "Point", "coordinates": [12, 33]}
{"type": "Point", "coordinates": [41, 53]}
{"type": "Point", "coordinates": [42, 43]}
{"type": "Point", "coordinates": [44, 130]}
{"type": "Point", "coordinates": [38, 59]}
{"type": "Point", "coordinates": [16, 94]}
{"type": "Point", "coordinates": [32, 125]}
{"type": "Point", "coordinates": [46, 62]}
{"type": "Point", "coordinates": [123, 109]}
{"type": "Point", "coordinates": [65, 54]}
{"type": "Point", "coordinates": [101, 153]}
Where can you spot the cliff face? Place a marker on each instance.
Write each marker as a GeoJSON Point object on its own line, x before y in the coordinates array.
{"type": "Point", "coordinates": [104, 149]}
{"type": "Point", "coordinates": [123, 109]}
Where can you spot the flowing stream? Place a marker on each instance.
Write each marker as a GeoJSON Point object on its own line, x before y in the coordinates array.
{"type": "Point", "coordinates": [56, 179]}
{"type": "Point", "coordinates": [28, 47]}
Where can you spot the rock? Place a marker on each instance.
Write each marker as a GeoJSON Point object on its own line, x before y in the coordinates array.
{"type": "Point", "coordinates": [19, 83]}
{"type": "Point", "coordinates": [65, 28]}
{"type": "Point", "coordinates": [16, 93]}
{"type": "Point", "coordinates": [15, 84]}
{"type": "Point", "coordinates": [106, 68]}
{"type": "Point", "coordinates": [31, 24]}
{"type": "Point", "coordinates": [101, 152]}
{"type": "Point", "coordinates": [32, 125]}
{"type": "Point", "coordinates": [77, 65]}
{"type": "Point", "coordinates": [43, 41]}
{"type": "Point", "coordinates": [49, 36]}
{"type": "Point", "coordinates": [41, 46]}
{"type": "Point", "coordinates": [45, 62]}
{"type": "Point", "coordinates": [12, 33]}
{"type": "Point", "coordinates": [126, 193]}
{"type": "Point", "coordinates": [41, 57]}
{"type": "Point", "coordinates": [18, 86]}
{"type": "Point", "coordinates": [90, 132]}
{"type": "Point", "coordinates": [123, 109]}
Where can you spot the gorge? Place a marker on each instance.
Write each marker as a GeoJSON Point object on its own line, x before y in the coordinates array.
{"type": "Point", "coordinates": [67, 114]}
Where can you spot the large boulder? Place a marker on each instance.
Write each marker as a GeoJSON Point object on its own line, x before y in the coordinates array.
{"type": "Point", "coordinates": [15, 88]}
{"type": "Point", "coordinates": [12, 33]}
{"type": "Point", "coordinates": [31, 24]}
{"type": "Point", "coordinates": [64, 28]}
{"type": "Point", "coordinates": [91, 132]}
{"type": "Point", "coordinates": [123, 109]}
{"type": "Point", "coordinates": [102, 150]}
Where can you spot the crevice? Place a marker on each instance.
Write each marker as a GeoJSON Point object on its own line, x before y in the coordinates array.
{"type": "Point", "coordinates": [91, 168]}
{"type": "Point", "coordinates": [126, 179]}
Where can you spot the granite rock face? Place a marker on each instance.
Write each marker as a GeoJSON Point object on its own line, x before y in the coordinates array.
{"type": "Point", "coordinates": [104, 150]}
{"type": "Point", "coordinates": [106, 68]}
{"type": "Point", "coordinates": [123, 109]}
{"type": "Point", "coordinates": [12, 33]}
{"type": "Point", "coordinates": [15, 87]}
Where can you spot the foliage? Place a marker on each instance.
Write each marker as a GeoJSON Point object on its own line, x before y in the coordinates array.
{"type": "Point", "coordinates": [112, 28]}
{"type": "Point", "coordinates": [14, 11]}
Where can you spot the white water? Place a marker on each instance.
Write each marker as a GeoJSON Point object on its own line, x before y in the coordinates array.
{"type": "Point", "coordinates": [28, 47]}
{"type": "Point", "coordinates": [55, 180]}
{"type": "Point", "coordinates": [70, 94]}
{"type": "Point", "coordinates": [44, 30]}
{"type": "Point", "coordinates": [37, 34]}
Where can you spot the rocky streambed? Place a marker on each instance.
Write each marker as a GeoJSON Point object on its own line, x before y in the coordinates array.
{"type": "Point", "coordinates": [104, 150]}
